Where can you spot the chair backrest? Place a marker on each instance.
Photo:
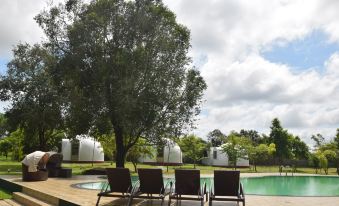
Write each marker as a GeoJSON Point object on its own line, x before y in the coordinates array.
{"type": "Point", "coordinates": [151, 181]}
{"type": "Point", "coordinates": [119, 179]}
{"type": "Point", "coordinates": [226, 183]}
{"type": "Point", "coordinates": [43, 161]}
{"type": "Point", "coordinates": [54, 161]}
{"type": "Point", "coordinates": [187, 182]}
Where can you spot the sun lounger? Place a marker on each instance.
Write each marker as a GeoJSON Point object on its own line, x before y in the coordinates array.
{"type": "Point", "coordinates": [187, 186]}
{"type": "Point", "coordinates": [226, 187]}
{"type": "Point", "coordinates": [150, 185]}
{"type": "Point", "coordinates": [119, 184]}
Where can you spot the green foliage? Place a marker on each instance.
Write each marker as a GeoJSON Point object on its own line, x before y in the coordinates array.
{"type": "Point", "coordinates": [260, 153]}
{"type": "Point", "coordinates": [280, 138]}
{"type": "Point", "coordinates": [314, 161]}
{"type": "Point", "coordinates": [16, 139]}
{"type": "Point", "coordinates": [5, 147]}
{"type": "Point", "coordinates": [125, 61]}
{"type": "Point", "coordinates": [193, 147]}
{"type": "Point", "coordinates": [36, 106]}
{"type": "Point", "coordinates": [140, 149]}
{"type": "Point", "coordinates": [318, 139]}
{"type": "Point", "coordinates": [107, 142]}
{"type": "Point", "coordinates": [323, 162]}
{"type": "Point", "coordinates": [236, 148]}
{"type": "Point", "coordinates": [299, 148]}
{"type": "Point", "coordinates": [216, 138]}
{"type": "Point", "coordinates": [3, 125]}
{"type": "Point", "coordinates": [252, 135]}
{"type": "Point", "coordinates": [336, 143]}
{"type": "Point", "coordinates": [320, 159]}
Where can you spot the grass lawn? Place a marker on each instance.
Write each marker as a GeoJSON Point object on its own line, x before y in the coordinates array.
{"type": "Point", "coordinates": [5, 194]}
{"type": "Point", "coordinates": [9, 167]}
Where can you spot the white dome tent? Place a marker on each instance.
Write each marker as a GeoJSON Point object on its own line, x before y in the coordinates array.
{"type": "Point", "coordinates": [215, 157]}
{"type": "Point", "coordinates": [170, 154]}
{"type": "Point", "coordinates": [82, 149]}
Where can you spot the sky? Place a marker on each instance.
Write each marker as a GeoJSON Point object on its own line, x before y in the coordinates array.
{"type": "Point", "coordinates": [261, 59]}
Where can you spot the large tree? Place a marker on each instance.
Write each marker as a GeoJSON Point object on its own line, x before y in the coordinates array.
{"type": "Point", "coordinates": [236, 148]}
{"type": "Point", "coordinates": [216, 138]}
{"type": "Point", "coordinates": [36, 105]}
{"type": "Point", "coordinates": [193, 147]}
{"type": "Point", "coordinates": [299, 148]}
{"type": "Point", "coordinates": [280, 137]}
{"type": "Point", "coordinates": [260, 152]}
{"type": "Point", "coordinates": [126, 61]}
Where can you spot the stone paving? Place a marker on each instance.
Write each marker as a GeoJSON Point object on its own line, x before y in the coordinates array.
{"type": "Point", "coordinates": [61, 188]}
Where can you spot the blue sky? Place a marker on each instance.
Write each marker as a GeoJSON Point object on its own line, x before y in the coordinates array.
{"type": "Point", "coordinates": [310, 51]}
{"type": "Point", "coordinates": [3, 67]}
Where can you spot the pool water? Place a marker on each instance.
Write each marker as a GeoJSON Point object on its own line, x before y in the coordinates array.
{"type": "Point", "coordinates": [268, 185]}
{"type": "Point", "coordinates": [292, 186]}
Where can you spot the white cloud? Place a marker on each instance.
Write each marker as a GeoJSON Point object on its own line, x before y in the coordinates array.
{"type": "Point", "coordinates": [244, 89]}
{"type": "Point", "coordinates": [17, 24]}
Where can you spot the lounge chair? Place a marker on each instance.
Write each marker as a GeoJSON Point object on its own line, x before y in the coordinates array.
{"type": "Point", "coordinates": [150, 183]}
{"type": "Point", "coordinates": [119, 182]}
{"type": "Point", "coordinates": [54, 166]}
{"type": "Point", "coordinates": [187, 186]}
{"type": "Point", "coordinates": [226, 187]}
{"type": "Point", "coordinates": [40, 175]}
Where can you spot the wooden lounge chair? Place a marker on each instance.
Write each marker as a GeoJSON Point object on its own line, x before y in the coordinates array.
{"type": "Point", "coordinates": [227, 187]}
{"type": "Point", "coordinates": [119, 182]}
{"type": "Point", "coordinates": [150, 183]}
{"type": "Point", "coordinates": [187, 186]}
{"type": "Point", "coordinates": [40, 175]}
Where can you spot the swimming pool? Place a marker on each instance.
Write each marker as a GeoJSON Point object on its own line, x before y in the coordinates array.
{"type": "Point", "coordinates": [269, 185]}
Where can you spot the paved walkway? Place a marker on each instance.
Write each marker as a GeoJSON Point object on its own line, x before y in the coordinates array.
{"type": "Point", "coordinates": [61, 188]}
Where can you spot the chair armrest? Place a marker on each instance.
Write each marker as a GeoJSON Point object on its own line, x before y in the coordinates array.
{"type": "Point", "coordinates": [202, 189]}
{"type": "Point", "coordinates": [135, 187]}
{"type": "Point", "coordinates": [172, 182]}
{"type": "Point", "coordinates": [242, 190]}
{"type": "Point", "coordinates": [104, 188]}
{"type": "Point", "coordinates": [163, 190]}
{"type": "Point", "coordinates": [211, 190]}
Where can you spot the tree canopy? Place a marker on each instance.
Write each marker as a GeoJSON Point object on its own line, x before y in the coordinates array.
{"type": "Point", "coordinates": [236, 147]}
{"type": "Point", "coordinates": [193, 147]}
{"type": "Point", "coordinates": [279, 137]}
{"type": "Point", "coordinates": [36, 105]}
{"type": "Point", "coordinates": [125, 62]}
{"type": "Point", "coordinates": [216, 138]}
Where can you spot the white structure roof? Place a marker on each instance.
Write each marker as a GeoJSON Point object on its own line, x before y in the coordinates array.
{"type": "Point", "coordinates": [83, 149]}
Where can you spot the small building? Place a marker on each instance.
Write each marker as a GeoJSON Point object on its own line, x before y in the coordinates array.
{"type": "Point", "coordinates": [215, 157]}
{"type": "Point", "coordinates": [82, 149]}
{"type": "Point", "coordinates": [170, 154]}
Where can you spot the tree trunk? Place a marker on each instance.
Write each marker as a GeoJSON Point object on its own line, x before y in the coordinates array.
{"type": "Point", "coordinates": [194, 164]}
{"type": "Point", "coordinates": [135, 166]}
{"type": "Point", "coordinates": [42, 140]}
{"type": "Point", "coordinates": [121, 153]}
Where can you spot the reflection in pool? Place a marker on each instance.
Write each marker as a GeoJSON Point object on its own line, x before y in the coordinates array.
{"type": "Point", "coordinates": [268, 185]}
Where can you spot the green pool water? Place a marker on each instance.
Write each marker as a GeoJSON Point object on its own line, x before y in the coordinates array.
{"type": "Point", "coordinates": [292, 186]}
{"type": "Point", "coordinates": [269, 185]}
